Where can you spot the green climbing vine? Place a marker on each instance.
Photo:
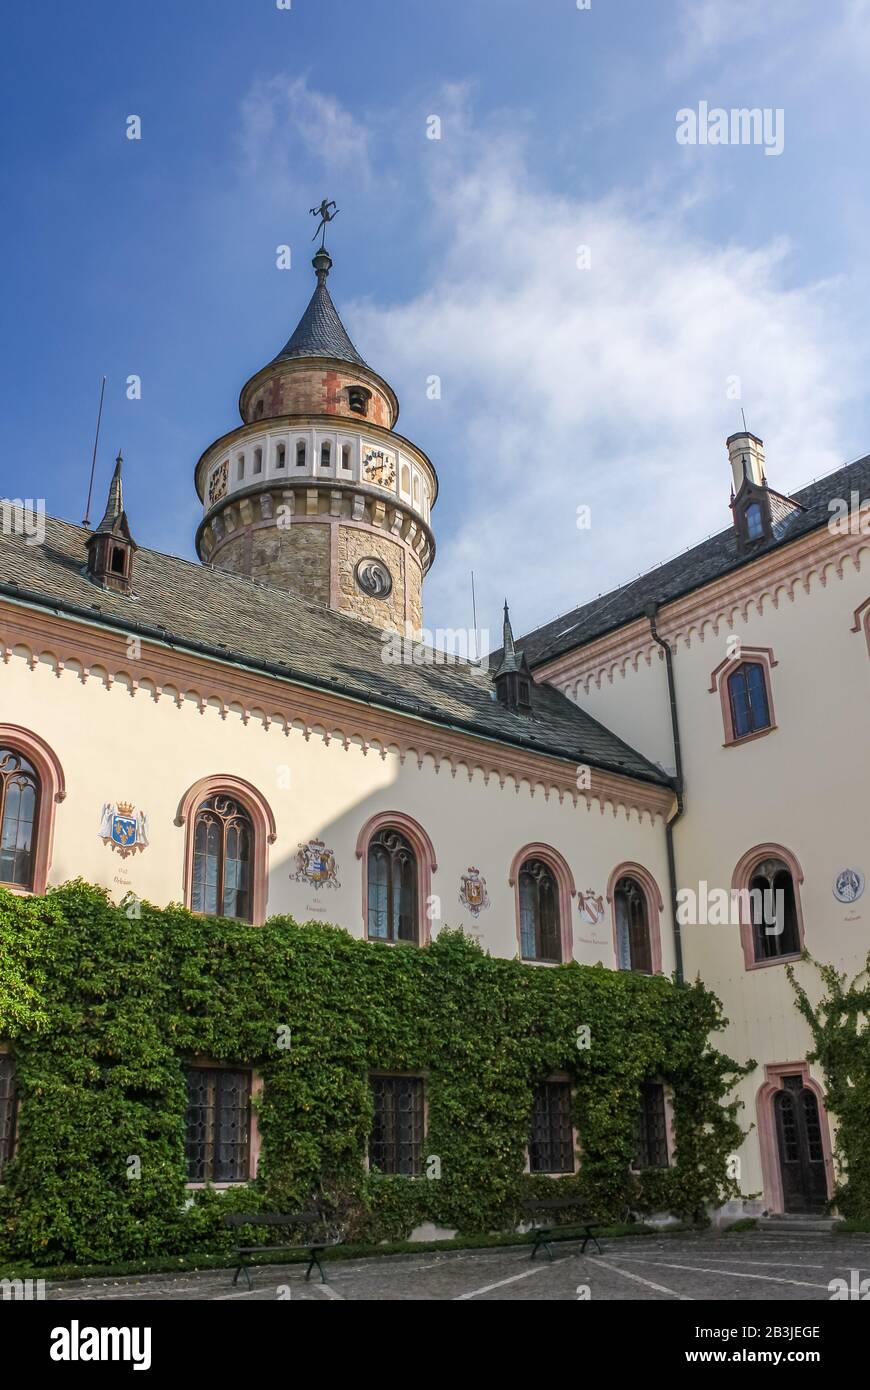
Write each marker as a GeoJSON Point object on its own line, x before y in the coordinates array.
{"type": "Point", "coordinates": [101, 1010]}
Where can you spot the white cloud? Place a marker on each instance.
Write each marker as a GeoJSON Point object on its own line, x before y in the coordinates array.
{"type": "Point", "coordinates": [604, 387]}
{"type": "Point", "coordinates": [283, 117]}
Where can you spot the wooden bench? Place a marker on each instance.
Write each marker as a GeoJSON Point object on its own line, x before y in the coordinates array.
{"type": "Point", "coordinates": [583, 1222]}
{"type": "Point", "coordinates": [306, 1219]}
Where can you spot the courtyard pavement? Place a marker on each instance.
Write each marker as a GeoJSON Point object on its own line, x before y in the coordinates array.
{"type": "Point", "coordinates": [748, 1267]}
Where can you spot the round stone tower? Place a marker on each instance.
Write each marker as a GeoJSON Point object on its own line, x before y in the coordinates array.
{"type": "Point", "coordinates": [315, 492]}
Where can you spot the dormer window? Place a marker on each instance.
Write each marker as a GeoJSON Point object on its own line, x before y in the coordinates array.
{"type": "Point", "coordinates": [358, 399]}
{"type": "Point", "coordinates": [119, 560]}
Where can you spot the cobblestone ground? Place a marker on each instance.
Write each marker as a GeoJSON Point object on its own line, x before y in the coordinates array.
{"type": "Point", "coordinates": [751, 1267]}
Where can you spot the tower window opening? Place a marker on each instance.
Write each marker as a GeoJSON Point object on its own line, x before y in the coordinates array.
{"type": "Point", "coordinates": [326, 454]}
{"type": "Point", "coordinates": [118, 560]}
{"type": "Point", "coordinates": [300, 454]}
{"type": "Point", "coordinates": [281, 460]}
{"type": "Point", "coordinates": [358, 399]}
{"type": "Point", "coordinates": [345, 456]}
{"type": "Point", "coordinates": [240, 467]}
{"type": "Point", "coordinates": [258, 460]}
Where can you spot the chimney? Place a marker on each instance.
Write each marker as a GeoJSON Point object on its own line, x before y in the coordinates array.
{"type": "Point", "coordinates": [746, 455]}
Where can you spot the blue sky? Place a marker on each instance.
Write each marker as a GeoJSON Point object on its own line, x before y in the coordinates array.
{"type": "Point", "coordinates": [609, 387]}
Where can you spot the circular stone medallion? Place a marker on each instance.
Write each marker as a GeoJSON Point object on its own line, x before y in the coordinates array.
{"type": "Point", "coordinates": [373, 577]}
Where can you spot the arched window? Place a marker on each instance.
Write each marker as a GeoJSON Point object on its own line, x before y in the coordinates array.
{"type": "Point", "coordinates": [222, 850]}
{"type": "Point", "coordinates": [258, 460]}
{"type": "Point", "coordinates": [633, 938]}
{"type": "Point", "coordinates": [19, 809]}
{"type": "Point", "coordinates": [326, 454]}
{"type": "Point", "coordinates": [229, 826]}
{"type": "Point", "coordinates": [773, 911]}
{"type": "Point", "coordinates": [300, 453]}
{"type": "Point", "coordinates": [392, 909]}
{"type": "Point", "coordinates": [540, 927]}
{"type": "Point", "coordinates": [240, 468]}
{"type": "Point", "coordinates": [345, 456]}
{"type": "Point", "coordinates": [747, 698]}
{"type": "Point", "coordinates": [281, 456]}
{"type": "Point", "coordinates": [767, 884]}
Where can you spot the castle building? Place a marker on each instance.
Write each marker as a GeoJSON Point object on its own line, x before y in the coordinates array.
{"type": "Point", "coordinates": [574, 799]}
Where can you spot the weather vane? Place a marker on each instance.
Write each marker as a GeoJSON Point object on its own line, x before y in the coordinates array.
{"type": "Point", "coordinates": [325, 216]}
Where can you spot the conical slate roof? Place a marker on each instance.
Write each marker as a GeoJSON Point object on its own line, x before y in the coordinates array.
{"type": "Point", "coordinates": [114, 520]}
{"type": "Point", "coordinates": [320, 332]}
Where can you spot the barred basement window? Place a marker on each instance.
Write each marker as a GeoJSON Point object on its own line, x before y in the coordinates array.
{"type": "Point", "coordinates": [650, 1128]}
{"type": "Point", "coordinates": [551, 1147]}
{"type": "Point", "coordinates": [7, 1110]}
{"type": "Point", "coordinates": [218, 1120]}
{"type": "Point", "coordinates": [19, 804]}
{"type": "Point", "coordinates": [396, 1143]}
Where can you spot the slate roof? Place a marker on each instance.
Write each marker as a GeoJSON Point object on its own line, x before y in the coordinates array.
{"type": "Point", "coordinates": [320, 332]}
{"type": "Point", "coordinates": [233, 619]}
{"type": "Point", "coordinates": [695, 567]}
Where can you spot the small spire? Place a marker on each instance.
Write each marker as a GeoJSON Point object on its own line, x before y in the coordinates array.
{"type": "Point", "coordinates": [507, 635]}
{"type": "Point", "coordinates": [114, 516]}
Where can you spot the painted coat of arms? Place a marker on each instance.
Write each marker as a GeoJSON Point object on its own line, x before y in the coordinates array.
{"type": "Point", "coordinates": [472, 892]}
{"type": "Point", "coordinates": [315, 864]}
{"type": "Point", "coordinates": [591, 906]}
{"type": "Point", "coordinates": [123, 827]}
{"type": "Point", "coordinates": [848, 885]}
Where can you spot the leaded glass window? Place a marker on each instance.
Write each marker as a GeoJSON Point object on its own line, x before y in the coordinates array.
{"type": "Point", "coordinates": [218, 1119]}
{"type": "Point", "coordinates": [634, 946]}
{"type": "Point", "coordinates": [223, 838]}
{"type": "Point", "coordinates": [19, 800]}
{"type": "Point", "coordinates": [540, 928]}
{"type": "Point", "coordinates": [773, 911]}
{"type": "Point", "coordinates": [7, 1110]}
{"type": "Point", "coordinates": [747, 696]}
{"type": "Point", "coordinates": [650, 1129]}
{"type": "Point", "coordinates": [396, 1143]}
{"type": "Point", "coordinates": [551, 1147]}
{"type": "Point", "coordinates": [392, 909]}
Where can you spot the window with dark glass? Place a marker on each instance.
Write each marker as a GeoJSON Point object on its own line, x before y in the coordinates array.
{"type": "Point", "coordinates": [300, 454]}
{"type": "Point", "coordinates": [7, 1110]}
{"type": "Point", "coordinates": [396, 1143]}
{"type": "Point", "coordinates": [551, 1147]}
{"type": "Point", "coordinates": [650, 1128]}
{"type": "Point", "coordinates": [281, 459]}
{"type": "Point", "coordinates": [223, 838]}
{"type": "Point", "coordinates": [19, 800]}
{"type": "Point", "coordinates": [747, 697]}
{"type": "Point", "coordinates": [773, 911]}
{"type": "Point", "coordinates": [218, 1125]}
{"type": "Point", "coordinates": [540, 929]}
{"type": "Point", "coordinates": [393, 909]}
{"type": "Point", "coordinates": [325, 454]}
{"type": "Point", "coordinates": [634, 947]}
{"type": "Point", "coordinates": [754, 522]}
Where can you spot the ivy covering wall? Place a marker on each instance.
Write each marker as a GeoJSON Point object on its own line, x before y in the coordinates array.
{"type": "Point", "coordinates": [840, 1024]}
{"type": "Point", "coordinates": [102, 1010]}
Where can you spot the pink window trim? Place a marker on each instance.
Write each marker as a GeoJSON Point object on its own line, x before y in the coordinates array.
{"type": "Point", "coordinates": [774, 1073]}
{"type": "Point", "coordinates": [862, 621]}
{"type": "Point", "coordinates": [566, 894]}
{"type": "Point", "coordinates": [254, 1140]}
{"type": "Point", "coordinates": [759, 656]}
{"type": "Point", "coordinates": [52, 790]}
{"type": "Point", "coordinates": [262, 820]}
{"type": "Point", "coordinates": [426, 865]}
{"type": "Point", "coordinates": [654, 909]}
{"type": "Point", "coordinates": [740, 883]}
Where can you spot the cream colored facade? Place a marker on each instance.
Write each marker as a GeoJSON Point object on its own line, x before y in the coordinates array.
{"type": "Point", "coordinates": [801, 786]}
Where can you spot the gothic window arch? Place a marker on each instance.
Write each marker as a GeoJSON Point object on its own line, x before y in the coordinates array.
{"type": "Point", "coordinates": [544, 890]}
{"type": "Point", "coordinates": [745, 693]}
{"type": "Point", "coordinates": [398, 861]}
{"type": "Point", "coordinates": [766, 883]}
{"type": "Point", "coordinates": [31, 785]}
{"type": "Point", "coordinates": [229, 827]}
{"type": "Point", "coordinates": [636, 904]}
